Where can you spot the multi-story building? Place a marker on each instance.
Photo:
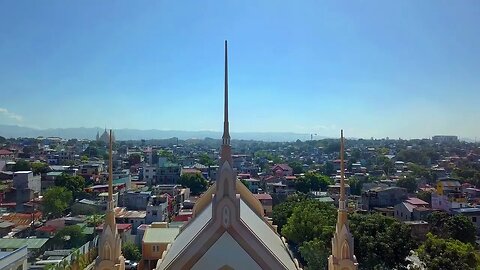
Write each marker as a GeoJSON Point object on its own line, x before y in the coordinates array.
{"type": "Point", "coordinates": [149, 174]}
{"type": "Point", "coordinates": [135, 200]}
{"type": "Point", "coordinates": [167, 172]}
{"type": "Point", "coordinates": [412, 209]}
{"type": "Point", "coordinates": [155, 240]}
{"type": "Point", "coordinates": [444, 139]}
{"type": "Point", "coordinates": [157, 209]}
{"type": "Point", "coordinates": [383, 197]}
{"type": "Point", "coordinates": [448, 195]}
{"type": "Point", "coordinates": [27, 186]}
{"type": "Point", "coordinates": [91, 169]}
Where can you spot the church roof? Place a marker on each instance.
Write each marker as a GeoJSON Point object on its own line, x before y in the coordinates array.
{"type": "Point", "coordinates": [264, 233]}
{"type": "Point", "coordinates": [191, 230]}
{"type": "Point", "coordinates": [258, 226]}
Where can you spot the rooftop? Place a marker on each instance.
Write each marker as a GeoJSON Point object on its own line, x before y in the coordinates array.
{"type": "Point", "coordinates": [14, 243]}
{"type": "Point", "coordinates": [467, 210]}
{"type": "Point", "coordinates": [160, 235]}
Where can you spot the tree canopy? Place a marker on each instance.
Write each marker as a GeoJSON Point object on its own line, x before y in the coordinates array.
{"type": "Point", "coordinates": [310, 228]}
{"type": "Point", "coordinates": [310, 219]}
{"type": "Point", "coordinates": [131, 252]}
{"type": "Point", "coordinates": [409, 183]}
{"type": "Point", "coordinates": [194, 181]}
{"type": "Point", "coordinates": [39, 167]}
{"type": "Point", "coordinates": [281, 212]}
{"type": "Point", "coordinates": [312, 182]}
{"type": "Point", "coordinates": [447, 254]}
{"type": "Point", "coordinates": [56, 200]}
{"type": "Point", "coordinates": [70, 237]}
{"type": "Point", "coordinates": [206, 160]}
{"type": "Point", "coordinates": [296, 166]}
{"type": "Point", "coordinates": [75, 184]}
{"type": "Point", "coordinates": [458, 227]}
{"type": "Point", "coordinates": [380, 242]}
{"type": "Point", "coordinates": [134, 159]}
{"type": "Point", "coordinates": [22, 165]}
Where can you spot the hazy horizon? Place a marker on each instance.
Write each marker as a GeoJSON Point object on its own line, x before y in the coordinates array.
{"type": "Point", "coordinates": [378, 69]}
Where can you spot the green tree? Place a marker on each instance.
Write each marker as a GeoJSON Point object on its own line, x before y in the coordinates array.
{"type": "Point", "coordinates": [310, 219]}
{"type": "Point", "coordinates": [355, 185]}
{"type": "Point", "coordinates": [310, 228]}
{"type": "Point", "coordinates": [206, 160]}
{"type": "Point", "coordinates": [296, 166]}
{"type": "Point", "coordinates": [70, 237]}
{"type": "Point", "coordinates": [75, 184]}
{"type": "Point", "coordinates": [412, 155]}
{"type": "Point", "coordinates": [92, 151]}
{"type": "Point", "coordinates": [22, 165]}
{"type": "Point", "coordinates": [84, 158]}
{"type": "Point", "coordinates": [56, 200]}
{"type": "Point", "coordinates": [315, 254]}
{"type": "Point", "coordinates": [131, 252]}
{"type": "Point", "coordinates": [380, 242]}
{"type": "Point", "coordinates": [447, 254]}
{"type": "Point", "coordinates": [39, 167]}
{"type": "Point", "coordinates": [458, 227]}
{"type": "Point", "coordinates": [195, 182]}
{"type": "Point", "coordinates": [409, 183]}
{"type": "Point", "coordinates": [281, 212]}
{"type": "Point", "coordinates": [328, 168]}
{"type": "Point", "coordinates": [134, 159]}
{"type": "Point", "coordinates": [386, 164]}
{"type": "Point", "coordinates": [167, 154]}
{"type": "Point", "coordinates": [312, 181]}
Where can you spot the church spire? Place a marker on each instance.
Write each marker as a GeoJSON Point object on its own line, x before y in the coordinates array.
{"type": "Point", "coordinates": [110, 256]}
{"type": "Point", "coordinates": [342, 242]}
{"type": "Point", "coordinates": [226, 148]}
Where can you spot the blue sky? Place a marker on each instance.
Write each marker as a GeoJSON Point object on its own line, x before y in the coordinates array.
{"type": "Point", "coordinates": [374, 68]}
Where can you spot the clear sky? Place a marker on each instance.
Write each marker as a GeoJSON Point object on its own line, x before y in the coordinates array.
{"type": "Point", "coordinates": [374, 68]}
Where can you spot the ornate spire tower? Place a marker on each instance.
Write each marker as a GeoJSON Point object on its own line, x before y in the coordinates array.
{"type": "Point", "coordinates": [342, 257]}
{"type": "Point", "coordinates": [226, 178]}
{"type": "Point", "coordinates": [226, 154]}
{"type": "Point", "coordinates": [110, 244]}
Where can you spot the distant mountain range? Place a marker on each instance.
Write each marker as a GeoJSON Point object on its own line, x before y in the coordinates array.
{"type": "Point", "coordinates": [11, 131]}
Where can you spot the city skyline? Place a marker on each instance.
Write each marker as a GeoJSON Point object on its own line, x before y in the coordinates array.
{"type": "Point", "coordinates": [394, 70]}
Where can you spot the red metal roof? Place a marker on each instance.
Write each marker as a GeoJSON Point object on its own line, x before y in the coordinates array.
{"type": "Point", "coordinates": [47, 228]}
{"type": "Point", "coordinates": [416, 201]}
{"type": "Point", "coordinates": [5, 152]}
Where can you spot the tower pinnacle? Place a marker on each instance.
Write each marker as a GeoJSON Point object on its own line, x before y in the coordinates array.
{"type": "Point", "coordinates": [110, 255]}
{"type": "Point", "coordinates": [342, 257]}
{"type": "Point", "coordinates": [226, 149]}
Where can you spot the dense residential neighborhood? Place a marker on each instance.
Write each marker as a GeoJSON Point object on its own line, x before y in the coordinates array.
{"type": "Point", "coordinates": [52, 188]}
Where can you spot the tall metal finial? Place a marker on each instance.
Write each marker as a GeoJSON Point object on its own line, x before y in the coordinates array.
{"type": "Point", "coordinates": [226, 129]}
{"type": "Point", "coordinates": [110, 171]}
{"type": "Point", "coordinates": [342, 168]}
